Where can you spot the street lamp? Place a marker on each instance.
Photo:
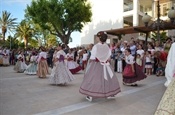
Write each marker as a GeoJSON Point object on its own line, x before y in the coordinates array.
{"type": "Point", "coordinates": [158, 23]}
{"type": "Point", "coordinates": [171, 15]}
{"type": "Point", "coordinates": [146, 19]}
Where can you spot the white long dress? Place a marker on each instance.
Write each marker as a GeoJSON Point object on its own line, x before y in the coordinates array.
{"type": "Point", "coordinates": [71, 64]}
{"type": "Point", "coordinates": [6, 59]}
{"type": "Point", "coordinates": [61, 73]}
{"type": "Point", "coordinates": [32, 67]}
{"type": "Point", "coordinates": [170, 66]}
{"type": "Point", "coordinates": [20, 64]}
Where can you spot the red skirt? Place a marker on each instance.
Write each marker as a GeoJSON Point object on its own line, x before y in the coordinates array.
{"type": "Point", "coordinates": [130, 77]}
{"type": "Point", "coordinates": [128, 71]}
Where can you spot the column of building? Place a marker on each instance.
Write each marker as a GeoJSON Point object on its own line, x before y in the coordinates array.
{"type": "Point", "coordinates": [135, 13]}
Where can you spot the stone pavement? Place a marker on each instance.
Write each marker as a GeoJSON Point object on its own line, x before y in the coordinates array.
{"type": "Point", "coordinates": [22, 94]}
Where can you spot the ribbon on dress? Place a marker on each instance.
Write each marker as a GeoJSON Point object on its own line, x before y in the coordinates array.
{"type": "Point", "coordinates": [107, 67]}
{"type": "Point", "coordinates": [61, 58]}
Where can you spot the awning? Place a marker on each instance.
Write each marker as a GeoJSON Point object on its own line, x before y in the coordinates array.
{"type": "Point", "coordinates": [139, 29]}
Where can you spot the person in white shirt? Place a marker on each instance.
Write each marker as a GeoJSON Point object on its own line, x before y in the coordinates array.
{"type": "Point", "coordinates": [148, 64]}
{"type": "Point", "coordinates": [140, 51]}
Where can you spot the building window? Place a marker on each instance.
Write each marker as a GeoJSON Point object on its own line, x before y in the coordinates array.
{"type": "Point", "coordinates": [128, 5]}
{"type": "Point", "coordinates": [141, 8]}
{"type": "Point", "coordinates": [164, 10]}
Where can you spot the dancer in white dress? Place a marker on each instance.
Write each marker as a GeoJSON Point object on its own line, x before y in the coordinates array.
{"type": "Point", "coordinates": [32, 67]}
{"type": "Point", "coordinates": [20, 64]}
{"type": "Point", "coordinates": [61, 74]}
{"type": "Point", "coordinates": [5, 58]}
{"type": "Point", "coordinates": [71, 64]}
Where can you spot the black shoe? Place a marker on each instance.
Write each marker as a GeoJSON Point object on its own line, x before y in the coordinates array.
{"type": "Point", "coordinates": [134, 85]}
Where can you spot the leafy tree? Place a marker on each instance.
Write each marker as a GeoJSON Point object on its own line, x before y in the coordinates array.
{"type": "Point", "coordinates": [41, 35]}
{"type": "Point", "coordinates": [11, 42]}
{"type": "Point", "coordinates": [24, 32]}
{"type": "Point", "coordinates": [33, 43]}
{"type": "Point", "coordinates": [60, 17]}
{"type": "Point", "coordinates": [52, 40]}
{"type": "Point", "coordinates": [7, 23]}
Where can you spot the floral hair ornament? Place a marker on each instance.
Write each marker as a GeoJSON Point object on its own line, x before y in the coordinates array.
{"type": "Point", "coordinates": [99, 34]}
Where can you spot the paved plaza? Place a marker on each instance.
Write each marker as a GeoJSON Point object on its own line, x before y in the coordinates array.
{"type": "Point", "coordinates": [22, 94]}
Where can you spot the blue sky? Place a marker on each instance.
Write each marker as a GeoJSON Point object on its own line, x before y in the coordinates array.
{"type": "Point", "coordinates": [17, 7]}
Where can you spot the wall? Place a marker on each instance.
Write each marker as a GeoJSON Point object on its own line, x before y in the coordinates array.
{"type": "Point", "coordinates": [107, 14]}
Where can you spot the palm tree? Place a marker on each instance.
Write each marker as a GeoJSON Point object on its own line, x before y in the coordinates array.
{"type": "Point", "coordinates": [7, 23]}
{"type": "Point", "coordinates": [24, 32]}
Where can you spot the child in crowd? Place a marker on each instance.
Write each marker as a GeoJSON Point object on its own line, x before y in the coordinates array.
{"type": "Point", "coordinates": [139, 60]}
{"type": "Point", "coordinates": [148, 64]}
{"type": "Point", "coordinates": [120, 57]}
{"type": "Point", "coordinates": [160, 70]}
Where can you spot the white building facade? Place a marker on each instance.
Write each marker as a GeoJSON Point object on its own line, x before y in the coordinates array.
{"type": "Point", "coordinates": [113, 14]}
{"type": "Point", "coordinates": [107, 14]}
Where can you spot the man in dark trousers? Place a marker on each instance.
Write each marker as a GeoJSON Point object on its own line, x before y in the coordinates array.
{"type": "Point", "coordinates": [50, 57]}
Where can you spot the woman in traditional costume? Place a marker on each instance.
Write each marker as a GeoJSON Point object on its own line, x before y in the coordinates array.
{"type": "Point", "coordinates": [32, 67]}
{"type": "Point", "coordinates": [71, 64]}
{"type": "Point", "coordinates": [167, 103]}
{"type": "Point", "coordinates": [42, 64]}
{"type": "Point", "coordinates": [170, 66]}
{"type": "Point", "coordinates": [20, 65]}
{"type": "Point", "coordinates": [100, 81]}
{"type": "Point", "coordinates": [132, 72]}
{"type": "Point", "coordinates": [60, 74]}
{"type": "Point", "coordinates": [5, 58]}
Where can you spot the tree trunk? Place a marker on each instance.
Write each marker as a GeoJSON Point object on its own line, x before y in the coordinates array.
{"type": "Point", "coordinates": [4, 30]}
{"type": "Point", "coordinates": [3, 36]}
{"type": "Point", "coordinates": [66, 40]}
{"type": "Point", "coordinates": [25, 42]}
